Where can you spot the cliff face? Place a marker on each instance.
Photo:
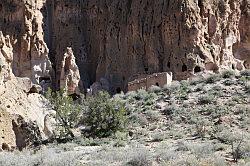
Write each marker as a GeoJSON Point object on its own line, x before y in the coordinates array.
{"type": "Point", "coordinates": [121, 38]}
{"type": "Point", "coordinates": [118, 39]}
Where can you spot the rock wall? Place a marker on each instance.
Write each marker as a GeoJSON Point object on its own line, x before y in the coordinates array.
{"type": "Point", "coordinates": [21, 113]}
{"type": "Point", "coordinates": [23, 22]}
{"type": "Point", "coordinates": [119, 38]}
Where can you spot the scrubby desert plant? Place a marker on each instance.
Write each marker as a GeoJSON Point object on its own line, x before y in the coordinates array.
{"type": "Point", "coordinates": [206, 99]}
{"type": "Point", "coordinates": [173, 87]}
{"type": "Point", "coordinates": [245, 73]}
{"type": "Point", "coordinates": [228, 82]}
{"type": "Point", "coordinates": [212, 78]}
{"type": "Point", "coordinates": [228, 74]}
{"type": "Point", "coordinates": [67, 113]}
{"type": "Point", "coordinates": [155, 89]}
{"type": "Point", "coordinates": [103, 115]}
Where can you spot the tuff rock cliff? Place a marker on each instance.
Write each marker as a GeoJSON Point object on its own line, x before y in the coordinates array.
{"type": "Point", "coordinates": [53, 42]}
{"type": "Point", "coordinates": [118, 39]}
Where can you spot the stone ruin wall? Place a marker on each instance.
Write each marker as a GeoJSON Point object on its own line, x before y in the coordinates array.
{"type": "Point", "coordinates": [157, 79]}
{"type": "Point", "coordinates": [119, 38]}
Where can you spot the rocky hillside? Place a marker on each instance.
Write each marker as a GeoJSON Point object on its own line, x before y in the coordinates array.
{"type": "Point", "coordinates": [118, 39]}
{"type": "Point", "coordinates": [203, 121]}
{"type": "Point", "coordinates": [74, 44]}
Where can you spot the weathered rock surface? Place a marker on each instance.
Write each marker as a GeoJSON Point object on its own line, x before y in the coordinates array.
{"type": "Point", "coordinates": [118, 39]}
{"type": "Point", "coordinates": [23, 21]}
{"type": "Point", "coordinates": [21, 113]}
{"type": "Point", "coordinates": [70, 76]}
{"type": "Point", "coordinates": [111, 42]}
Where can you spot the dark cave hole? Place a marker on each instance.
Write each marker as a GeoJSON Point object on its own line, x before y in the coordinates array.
{"type": "Point", "coordinates": [157, 84]}
{"type": "Point", "coordinates": [118, 90]}
{"type": "Point", "coordinates": [197, 69]}
{"type": "Point", "coordinates": [168, 64]}
{"type": "Point", "coordinates": [233, 67]}
{"type": "Point", "coordinates": [184, 68]}
{"type": "Point", "coordinates": [146, 69]}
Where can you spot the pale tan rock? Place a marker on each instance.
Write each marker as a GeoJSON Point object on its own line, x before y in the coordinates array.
{"type": "Point", "coordinates": [117, 39]}
{"type": "Point", "coordinates": [70, 76]}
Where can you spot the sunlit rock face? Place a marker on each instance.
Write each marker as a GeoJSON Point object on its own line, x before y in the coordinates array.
{"type": "Point", "coordinates": [118, 39]}
{"type": "Point", "coordinates": [23, 22]}
{"type": "Point", "coordinates": [121, 38]}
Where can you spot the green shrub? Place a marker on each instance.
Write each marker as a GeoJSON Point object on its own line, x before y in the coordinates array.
{"type": "Point", "coordinates": [153, 115]}
{"type": "Point", "coordinates": [155, 89]}
{"type": "Point", "coordinates": [228, 82]}
{"type": "Point", "coordinates": [247, 87]}
{"type": "Point", "coordinates": [67, 113]}
{"type": "Point", "coordinates": [212, 78]}
{"type": "Point", "coordinates": [245, 73]}
{"type": "Point", "coordinates": [196, 80]}
{"type": "Point", "coordinates": [173, 87]}
{"type": "Point", "coordinates": [140, 159]}
{"type": "Point", "coordinates": [103, 115]}
{"type": "Point", "coordinates": [138, 119]}
{"type": "Point", "coordinates": [228, 74]}
{"type": "Point", "coordinates": [169, 110]}
{"type": "Point", "coordinates": [206, 99]}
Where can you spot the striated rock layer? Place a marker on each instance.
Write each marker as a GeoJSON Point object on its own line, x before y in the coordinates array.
{"type": "Point", "coordinates": [118, 39]}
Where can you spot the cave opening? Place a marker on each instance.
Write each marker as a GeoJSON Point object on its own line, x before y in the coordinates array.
{"type": "Point", "coordinates": [168, 64]}
{"type": "Point", "coordinates": [157, 84]}
{"type": "Point", "coordinates": [184, 68]}
{"type": "Point", "coordinates": [197, 69]}
{"type": "Point", "coordinates": [118, 90]}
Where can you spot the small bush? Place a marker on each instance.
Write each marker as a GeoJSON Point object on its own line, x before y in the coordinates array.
{"type": "Point", "coordinates": [155, 89]}
{"type": "Point", "coordinates": [103, 115]}
{"type": "Point", "coordinates": [245, 73]}
{"type": "Point", "coordinates": [138, 119]}
{"type": "Point", "coordinates": [228, 74]}
{"type": "Point", "coordinates": [247, 87]}
{"type": "Point", "coordinates": [67, 113]}
{"type": "Point", "coordinates": [212, 78]}
{"type": "Point", "coordinates": [158, 137]}
{"type": "Point", "coordinates": [173, 87]}
{"type": "Point", "coordinates": [169, 110]}
{"type": "Point", "coordinates": [153, 115]}
{"type": "Point", "coordinates": [206, 99]}
{"type": "Point", "coordinates": [228, 82]}
{"type": "Point", "coordinates": [199, 88]}
{"type": "Point", "coordinates": [140, 159]}
{"type": "Point", "coordinates": [196, 80]}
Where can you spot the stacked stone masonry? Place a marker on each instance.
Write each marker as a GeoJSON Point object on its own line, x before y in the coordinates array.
{"type": "Point", "coordinates": [156, 79]}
